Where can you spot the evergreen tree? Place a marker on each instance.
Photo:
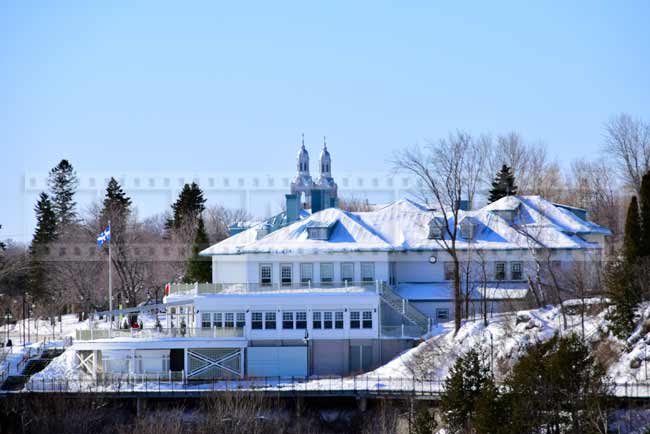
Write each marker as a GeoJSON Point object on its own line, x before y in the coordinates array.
{"type": "Point", "coordinates": [632, 238]}
{"type": "Point", "coordinates": [187, 208]}
{"type": "Point", "coordinates": [466, 383]}
{"type": "Point", "coordinates": [644, 205]}
{"type": "Point", "coordinates": [63, 185]}
{"type": "Point", "coordinates": [558, 386]}
{"type": "Point", "coordinates": [44, 235]}
{"type": "Point", "coordinates": [116, 205]}
{"type": "Point", "coordinates": [45, 221]}
{"type": "Point", "coordinates": [624, 294]}
{"type": "Point", "coordinates": [199, 268]}
{"type": "Point", "coordinates": [503, 184]}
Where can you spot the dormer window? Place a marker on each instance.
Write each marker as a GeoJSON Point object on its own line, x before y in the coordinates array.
{"type": "Point", "coordinates": [467, 229]}
{"type": "Point", "coordinates": [320, 231]}
{"type": "Point", "coordinates": [506, 214]}
{"type": "Point", "coordinates": [435, 228]}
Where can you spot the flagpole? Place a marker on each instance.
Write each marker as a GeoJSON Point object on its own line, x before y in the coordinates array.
{"type": "Point", "coordinates": [110, 277]}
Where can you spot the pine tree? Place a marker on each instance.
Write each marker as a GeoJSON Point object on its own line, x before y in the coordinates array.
{"type": "Point", "coordinates": [644, 205]}
{"type": "Point", "coordinates": [624, 294]}
{"type": "Point", "coordinates": [632, 239]}
{"type": "Point", "coordinates": [189, 205]}
{"type": "Point", "coordinates": [63, 185]}
{"type": "Point", "coordinates": [44, 235]}
{"type": "Point", "coordinates": [116, 206]}
{"type": "Point", "coordinates": [466, 383]}
{"type": "Point", "coordinates": [503, 184]}
{"type": "Point", "coordinates": [45, 221]}
{"type": "Point", "coordinates": [199, 268]}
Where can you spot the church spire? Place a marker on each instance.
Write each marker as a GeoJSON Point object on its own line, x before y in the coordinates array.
{"type": "Point", "coordinates": [303, 159]}
{"type": "Point", "coordinates": [325, 161]}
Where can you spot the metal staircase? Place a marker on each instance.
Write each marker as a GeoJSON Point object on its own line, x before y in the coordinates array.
{"type": "Point", "coordinates": [403, 307]}
{"type": "Point", "coordinates": [29, 368]}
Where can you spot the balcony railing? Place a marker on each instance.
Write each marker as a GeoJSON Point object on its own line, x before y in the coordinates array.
{"type": "Point", "coordinates": [255, 287]}
{"type": "Point", "coordinates": [158, 333]}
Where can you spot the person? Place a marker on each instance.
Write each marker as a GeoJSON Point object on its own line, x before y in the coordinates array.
{"type": "Point", "coordinates": [183, 327]}
{"type": "Point", "coordinates": [10, 345]}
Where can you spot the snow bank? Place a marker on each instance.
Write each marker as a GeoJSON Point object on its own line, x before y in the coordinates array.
{"type": "Point", "coordinates": [502, 341]}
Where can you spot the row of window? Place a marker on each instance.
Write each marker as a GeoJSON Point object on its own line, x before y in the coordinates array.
{"type": "Point", "coordinates": [367, 273]}
{"type": "Point", "coordinates": [359, 319]}
{"type": "Point", "coordinates": [500, 270]}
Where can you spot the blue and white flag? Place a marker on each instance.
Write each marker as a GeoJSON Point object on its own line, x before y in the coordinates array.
{"type": "Point", "coordinates": [104, 236]}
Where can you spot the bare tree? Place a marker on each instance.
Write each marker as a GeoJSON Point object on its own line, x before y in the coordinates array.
{"type": "Point", "coordinates": [628, 141]}
{"type": "Point", "coordinates": [534, 172]}
{"type": "Point", "coordinates": [354, 204]}
{"type": "Point", "coordinates": [448, 172]}
{"type": "Point", "coordinates": [593, 186]}
{"type": "Point", "coordinates": [218, 220]}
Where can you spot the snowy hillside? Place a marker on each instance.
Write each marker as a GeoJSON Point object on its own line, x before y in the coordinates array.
{"type": "Point", "coordinates": [505, 338]}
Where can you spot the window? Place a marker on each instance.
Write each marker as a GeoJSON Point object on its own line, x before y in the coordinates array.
{"type": "Point", "coordinates": [347, 272]}
{"type": "Point", "coordinates": [287, 320]}
{"type": "Point", "coordinates": [367, 319]}
{"type": "Point", "coordinates": [301, 320]}
{"type": "Point", "coordinates": [286, 274]}
{"type": "Point", "coordinates": [442, 315]}
{"type": "Point", "coordinates": [327, 320]}
{"type": "Point", "coordinates": [266, 275]}
{"type": "Point", "coordinates": [205, 320]}
{"type": "Point", "coordinates": [306, 273]}
{"type": "Point", "coordinates": [269, 320]}
{"type": "Point", "coordinates": [241, 320]}
{"type": "Point", "coordinates": [326, 273]}
{"type": "Point", "coordinates": [367, 272]}
{"type": "Point", "coordinates": [256, 321]}
{"type": "Point", "coordinates": [355, 320]}
{"type": "Point", "coordinates": [317, 320]}
{"type": "Point", "coordinates": [435, 228]}
{"type": "Point", "coordinates": [515, 271]}
{"type": "Point", "coordinates": [338, 320]}
{"type": "Point", "coordinates": [500, 271]}
{"type": "Point", "coordinates": [230, 320]}
{"type": "Point", "coordinates": [449, 271]}
{"type": "Point", "coordinates": [217, 320]}
{"type": "Point", "coordinates": [467, 230]}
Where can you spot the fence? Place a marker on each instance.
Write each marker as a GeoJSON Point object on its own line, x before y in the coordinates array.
{"type": "Point", "coordinates": [248, 287]}
{"type": "Point", "coordinates": [359, 385]}
{"type": "Point", "coordinates": [167, 332]}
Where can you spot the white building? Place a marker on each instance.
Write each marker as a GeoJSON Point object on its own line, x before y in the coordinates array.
{"type": "Point", "coordinates": [326, 291]}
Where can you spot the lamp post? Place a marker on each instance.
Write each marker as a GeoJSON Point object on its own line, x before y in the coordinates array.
{"type": "Point", "coordinates": [306, 341]}
{"type": "Point", "coordinates": [8, 317]}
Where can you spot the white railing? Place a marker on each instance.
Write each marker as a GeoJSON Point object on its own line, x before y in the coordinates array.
{"type": "Point", "coordinates": [253, 287]}
{"type": "Point", "coordinates": [158, 333]}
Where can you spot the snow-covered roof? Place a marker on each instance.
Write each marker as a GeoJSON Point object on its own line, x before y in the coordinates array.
{"type": "Point", "coordinates": [443, 291]}
{"type": "Point", "coordinates": [404, 225]}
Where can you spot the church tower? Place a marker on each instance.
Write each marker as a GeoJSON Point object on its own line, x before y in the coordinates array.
{"type": "Point", "coordinates": [325, 183]}
{"type": "Point", "coordinates": [302, 183]}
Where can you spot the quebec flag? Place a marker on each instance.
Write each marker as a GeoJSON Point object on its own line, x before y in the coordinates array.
{"type": "Point", "coordinates": [104, 236]}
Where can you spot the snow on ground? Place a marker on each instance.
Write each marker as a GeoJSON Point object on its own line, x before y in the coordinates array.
{"type": "Point", "coordinates": [502, 341]}
{"type": "Point", "coordinates": [40, 330]}
{"type": "Point", "coordinates": [506, 337]}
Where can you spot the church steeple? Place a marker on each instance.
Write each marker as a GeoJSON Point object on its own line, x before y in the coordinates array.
{"type": "Point", "coordinates": [325, 161]}
{"type": "Point", "coordinates": [303, 159]}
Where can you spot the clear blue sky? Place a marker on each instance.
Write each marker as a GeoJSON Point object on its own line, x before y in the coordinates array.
{"type": "Point", "coordinates": [209, 86]}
